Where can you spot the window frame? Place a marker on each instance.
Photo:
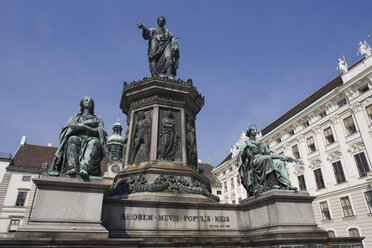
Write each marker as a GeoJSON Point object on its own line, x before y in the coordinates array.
{"type": "Point", "coordinates": [366, 109]}
{"type": "Point", "coordinates": [348, 207]}
{"type": "Point", "coordinates": [353, 228]}
{"type": "Point", "coordinates": [350, 127]}
{"type": "Point", "coordinates": [321, 184]}
{"type": "Point", "coordinates": [302, 185]}
{"type": "Point", "coordinates": [296, 152]}
{"type": "Point", "coordinates": [324, 218]}
{"type": "Point", "coordinates": [19, 199]}
{"type": "Point", "coordinates": [338, 173]}
{"type": "Point", "coordinates": [26, 177]}
{"type": "Point", "coordinates": [369, 203]}
{"type": "Point", "coordinates": [361, 165]}
{"type": "Point", "coordinates": [341, 102]}
{"type": "Point", "coordinates": [322, 114]}
{"type": "Point", "coordinates": [312, 144]}
{"type": "Point", "coordinates": [325, 131]}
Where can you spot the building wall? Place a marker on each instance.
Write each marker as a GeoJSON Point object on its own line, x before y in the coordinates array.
{"type": "Point", "coordinates": [9, 188]}
{"type": "Point", "coordinates": [294, 132]}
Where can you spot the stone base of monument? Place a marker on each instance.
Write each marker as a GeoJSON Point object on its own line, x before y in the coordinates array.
{"type": "Point", "coordinates": [273, 219]}
{"type": "Point", "coordinates": [66, 208]}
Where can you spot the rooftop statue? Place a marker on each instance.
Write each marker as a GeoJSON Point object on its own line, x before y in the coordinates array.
{"type": "Point", "coordinates": [82, 143]}
{"type": "Point", "coordinates": [260, 169]}
{"type": "Point", "coordinates": [342, 65]}
{"type": "Point", "coordinates": [364, 49]}
{"type": "Point", "coordinates": [163, 51]}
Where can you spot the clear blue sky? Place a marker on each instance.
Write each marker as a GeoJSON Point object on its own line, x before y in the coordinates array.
{"type": "Point", "coordinates": [252, 60]}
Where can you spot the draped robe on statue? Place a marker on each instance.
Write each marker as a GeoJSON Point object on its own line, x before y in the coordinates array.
{"type": "Point", "coordinates": [163, 51]}
{"type": "Point", "coordinates": [259, 172]}
{"type": "Point", "coordinates": [78, 149]}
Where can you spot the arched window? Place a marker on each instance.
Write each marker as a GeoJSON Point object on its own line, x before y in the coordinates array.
{"type": "Point", "coordinates": [353, 232]}
{"type": "Point", "coordinates": [331, 233]}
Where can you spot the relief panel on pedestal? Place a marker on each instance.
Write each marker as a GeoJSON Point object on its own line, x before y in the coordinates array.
{"type": "Point", "coordinates": [191, 150]}
{"type": "Point", "coordinates": [169, 135]}
{"type": "Point", "coordinates": [141, 137]}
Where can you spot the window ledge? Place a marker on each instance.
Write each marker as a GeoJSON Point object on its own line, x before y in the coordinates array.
{"type": "Point", "coordinates": [349, 217]}
{"type": "Point", "coordinates": [344, 182]}
{"type": "Point", "coordinates": [320, 189]}
{"type": "Point", "coordinates": [327, 221]}
{"type": "Point", "coordinates": [369, 214]}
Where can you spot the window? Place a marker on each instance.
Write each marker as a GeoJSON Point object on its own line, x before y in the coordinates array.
{"type": "Point", "coordinates": [339, 172]}
{"type": "Point", "coordinates": [301, 182]}
{"type": "Point", "coordinates": [219, 192]}
{"type": "Point", "coordinates": [329, 135]}
{"type": "Point", "coordinates": [21, 198]}
{"type": "Point", "coordinates": [291, 133]}
{"type": "Point", "coordinates": [346, 206]}
{"type": "Point", "coordinates": [368, 196]}
{"type": "Point", "coordinates": [278, 140]}
{"type": "Point", "coordinates": [349, 125]}
{"type": "Point", "coordinates": [295, 151]}
{"type": "Point", "coordinates": [311, 144]}
{"type": "Point", "coordinates": [331, 234]}
{"type": "Point", "coordinates": [323, 114]}
{"type": "Point", "coordinates": [319, 179]}
{"type": "Point", "coordinates": [325, 210]}
{"type": "Point", "coordinates": [225, 186]}
{"type": "Point", "coordinates": [353, 232]}
{"type": "Point", "coordinates": [44, 165]}
{"type": "Point", "coordinates": [238, 180]}
{"type": "Point", "coordinates": [369, 111]}
{"type": "Point", "coordinates": [232, 183]}
{"type": "Point", "coordinates": [363, 89]}
{"type": "Point", "coordinates": [14, 223]}
{"type": "Point", "coordinates": [233, 201]}
{"type": "Point", "coordinates": [342, 102]}
{"type": "Point", "coordinates": [361, 162]}
{"type": "Point", "coordinates": [26, 178]}
{"type": "Point", "coordinates": [306, 124]}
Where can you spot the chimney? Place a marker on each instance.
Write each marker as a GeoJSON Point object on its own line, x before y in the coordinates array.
{"type": "Point", "coordinates": [23, 140]}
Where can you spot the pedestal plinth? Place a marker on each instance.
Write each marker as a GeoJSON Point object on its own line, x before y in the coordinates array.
{"type": "Point", "coordinates": [66, 208]}
{"type": "Point", "coordinates": [161, 152]}
{"type": "Point", "coordinates": [276, 219]}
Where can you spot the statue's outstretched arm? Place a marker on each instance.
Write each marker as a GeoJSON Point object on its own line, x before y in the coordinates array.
{"type": "Point", "coordinates": [286, 158]}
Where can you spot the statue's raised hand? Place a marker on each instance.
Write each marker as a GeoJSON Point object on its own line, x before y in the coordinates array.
{"type": "Point", "coordinates": [141, 26]}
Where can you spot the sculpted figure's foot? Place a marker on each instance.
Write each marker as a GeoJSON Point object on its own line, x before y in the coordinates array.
{"type": "Point", "coordinates": [83, 172]}
{"type": "Point", "coordinates": [53, 173]}
{"type": "Point", "coordinates": [71, 172]}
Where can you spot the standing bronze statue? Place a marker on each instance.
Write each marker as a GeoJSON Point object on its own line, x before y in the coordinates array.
{"type": "Point", "coordinates": [82, 143]}
{"type": "Point", "coordinates": [260, 169]}
{"type": "Point", "coordinates": [163, 51]}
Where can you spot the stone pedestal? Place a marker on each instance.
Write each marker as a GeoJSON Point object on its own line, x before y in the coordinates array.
{"type": "Point", "coordinates": [160, 154]}
{"type": "Point", "coordinates": [276, 219]}
{"type": "Point", "coordinates": [66, 208]}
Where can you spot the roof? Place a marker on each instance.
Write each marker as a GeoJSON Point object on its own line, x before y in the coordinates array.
{"type": "Point", "coordinates": [334, 83]}
{"type": "Point", "coordinates": [208, 173]}
{"type": "Point", "coordinates": [30, 158]}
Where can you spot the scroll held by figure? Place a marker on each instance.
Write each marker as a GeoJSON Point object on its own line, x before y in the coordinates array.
{"type": "Point", "coordinates": [82, 143]}
{"type": "Point", "coordinates": [141, 137]}
{"type": "Point", "coordinates": [260, 169]}
{"type": "Point", "coordinates": [163, 50]}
